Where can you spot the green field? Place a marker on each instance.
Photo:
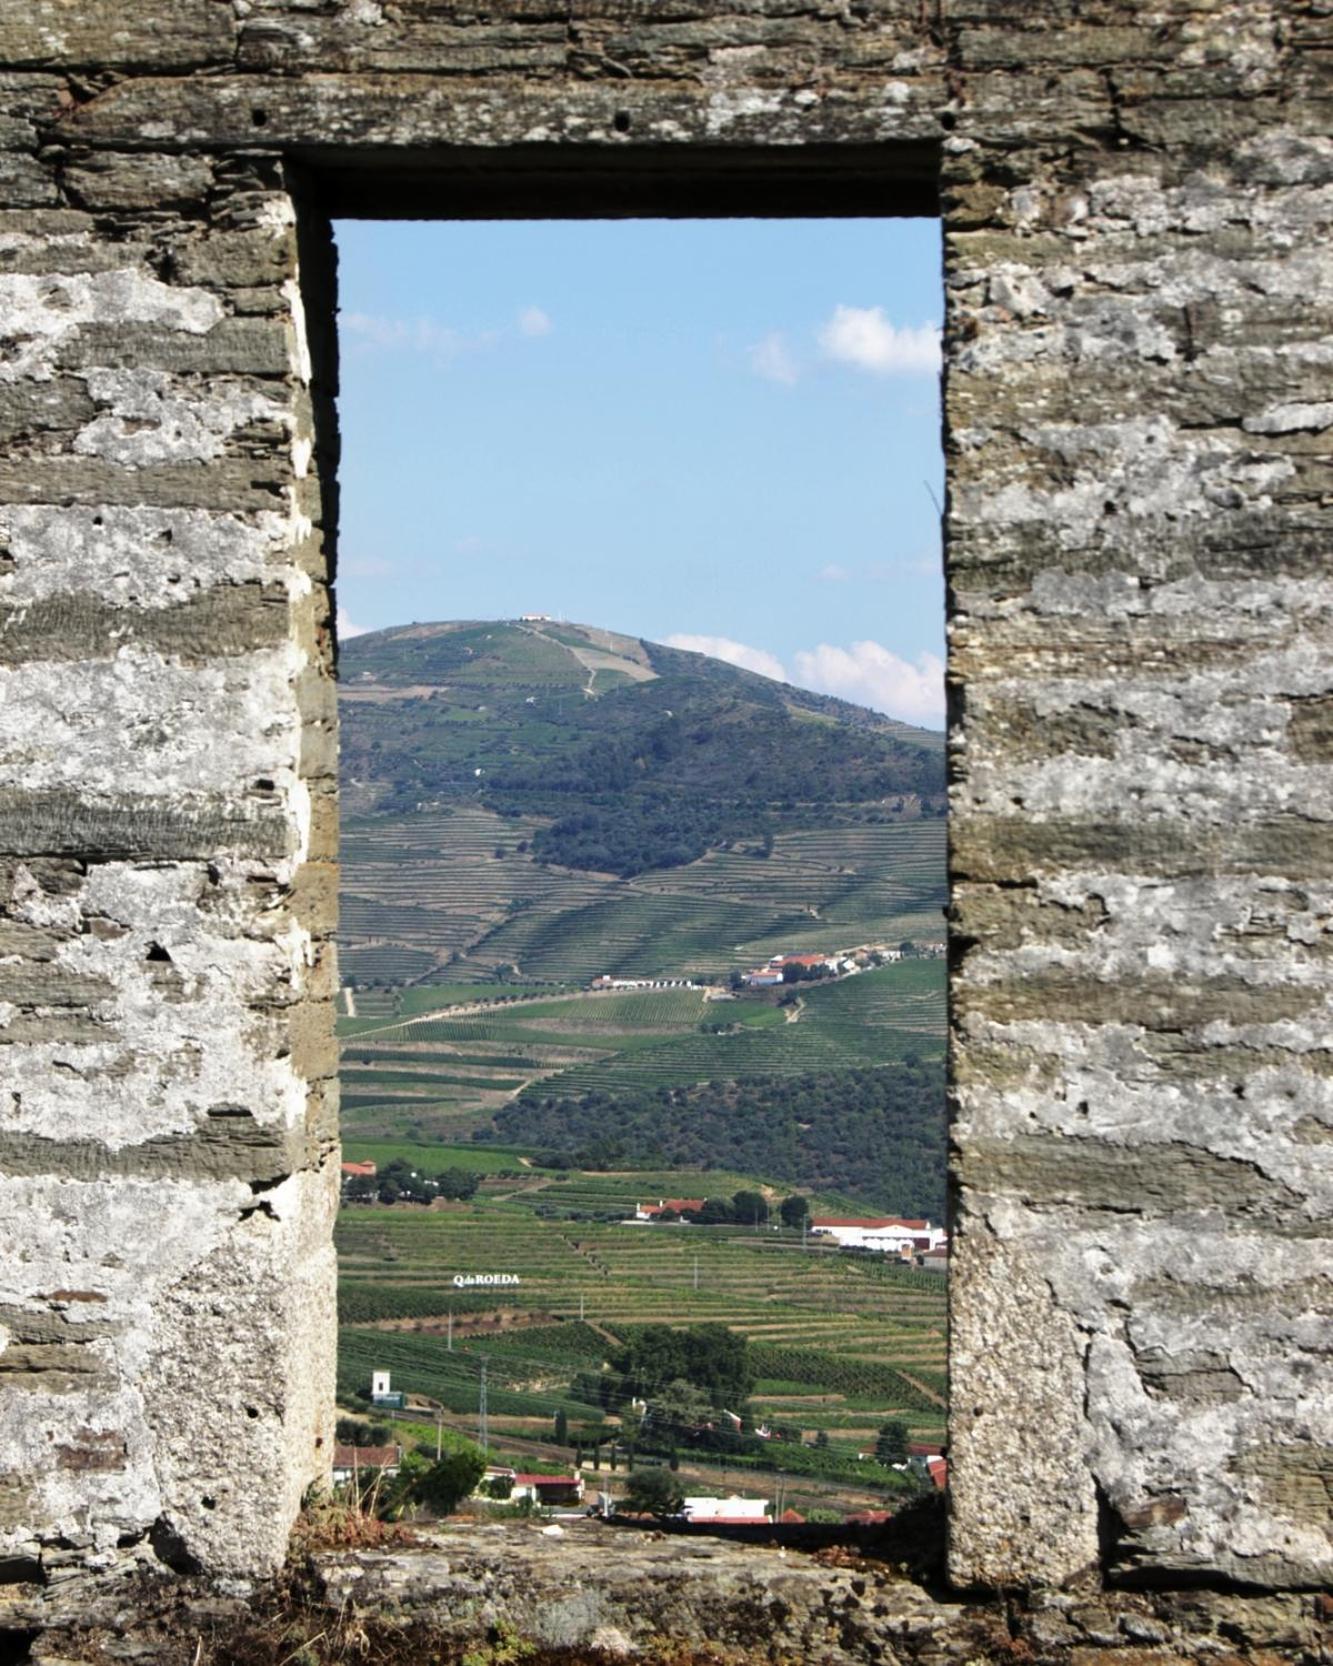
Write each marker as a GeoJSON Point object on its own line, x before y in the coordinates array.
{"type": "Point", "coordinates": [511, 1175]}
{"type": "Point", "coordinates": [435, 1074]}
{"type": "Point", "coordinates": [840, 1343]}
{"type": "Point", "coordinates": [481, 1159]}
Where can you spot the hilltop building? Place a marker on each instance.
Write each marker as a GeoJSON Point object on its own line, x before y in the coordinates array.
{"type": "Point", "coordinates": [608, 982]}
{"type": "Point", "coordinates": [891, 1234]}
{"type": "Point", "coordinates": [734, 1511]}
{"type": "Point", "coordinates": [773, 970]}
{"type": "Point", "coordinates": [668, 1206]}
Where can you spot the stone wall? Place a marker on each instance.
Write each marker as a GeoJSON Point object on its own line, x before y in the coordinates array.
{"type": "Point", "coordinates": [1137, 442]}
{"type": "Point", "coordinates": [1138, 426]}
{"type": "Point", "coordinates": [167, 842]}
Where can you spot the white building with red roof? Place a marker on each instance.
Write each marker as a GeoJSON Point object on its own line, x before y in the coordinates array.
{"type": "Point", "coordinates": [668, 1206]}
{"type": "Point", "coordinates": [890, 1234]}
{"type": "Point", "coordinates": [351, 1463]}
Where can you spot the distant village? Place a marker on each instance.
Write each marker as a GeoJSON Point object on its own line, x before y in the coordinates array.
{"type": "Point", "coordinates": [795, 968]}
{"type": "Point", "coordinates": [564, 1494]}
{"type": "Point", "coordinates": [916, 1242]}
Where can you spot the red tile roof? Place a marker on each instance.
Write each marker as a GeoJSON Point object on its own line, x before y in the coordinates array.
{"type": "Point", "coordinates": [547, 1480]}
{"type": "Point", "coordinates": [677, 1204]}
{"type": "Point", "coordinates": [872, 1223]}
{"type": "Point", "coordinates": [366, 1457]}
{"type": "Point", "coordinates": [359, 1168]}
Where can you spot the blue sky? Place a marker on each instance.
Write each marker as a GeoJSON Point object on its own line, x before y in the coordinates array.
{"type": "Point", "coordinates": [722, 434]}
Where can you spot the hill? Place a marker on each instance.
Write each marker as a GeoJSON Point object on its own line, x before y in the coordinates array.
{"type": "Point", "coordinates": [565, 801]}
{"type": "Point", "coordinates": [531, 805]}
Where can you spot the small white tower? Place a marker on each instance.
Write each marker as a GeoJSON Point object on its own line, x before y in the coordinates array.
{"type": "Point", "coordinates": [379, 1385]}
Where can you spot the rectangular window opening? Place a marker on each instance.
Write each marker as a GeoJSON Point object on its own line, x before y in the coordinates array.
{"type": "Point", "coordinates": [642, 1013]}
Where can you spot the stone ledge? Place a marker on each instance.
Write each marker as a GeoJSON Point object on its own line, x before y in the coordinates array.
{"type": "Point", "coordinates": [594, 1594]}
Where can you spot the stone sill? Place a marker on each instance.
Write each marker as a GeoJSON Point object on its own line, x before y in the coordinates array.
{"type": "Point", "coordinates": [595, 1593]}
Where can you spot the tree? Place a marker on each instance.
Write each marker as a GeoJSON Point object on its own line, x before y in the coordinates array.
{"type": "Point", "coordinates": [891, 1443]}
{"type": "Point", "coordinates": [794, 1210]}
{"type": "Point", "coordinates": [445, 1484]}
{"type": "Point", "coordinates": [751, 1207]}
{"type": "Point", "coordinates": [631, 1423]}
{"type": "Point", "coordinates": [351, 1431]}
{"type": "Point", "coordinates": [561, 1427]}
{"type": "Point", "coordinates": [679, 1408]}
{"type": "Point", "coordinates": [711, 1357]}
{"type": "Point", "coordinates": [654, 1492]}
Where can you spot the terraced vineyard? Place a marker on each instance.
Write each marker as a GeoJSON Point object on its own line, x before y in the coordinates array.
{"type": "Point", "coordinates": [447, 1069]}
{"type": "Point", "coordinates": [842, 1342]}
{"type": "Point", "coordinates": [451, 896]}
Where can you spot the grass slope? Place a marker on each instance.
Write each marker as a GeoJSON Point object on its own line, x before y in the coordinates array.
{"type": "Point", "coordinates": [495, 772]}
{"type": "Point", "coordinates": [842, 1343]}
{"type": "Point", "coordinates": [438, 1071]}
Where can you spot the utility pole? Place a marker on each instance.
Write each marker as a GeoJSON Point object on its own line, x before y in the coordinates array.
{"type": "Point", "coordinates": [449, 1343]}
{"type": "Point", "coordinates": [483, 1432]}
{"type": "Point", "coordinates": [696, 1272]}
{"type": "Point", "coordinates": [580, 1307]}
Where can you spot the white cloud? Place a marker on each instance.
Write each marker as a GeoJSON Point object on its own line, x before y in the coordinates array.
{"type": "Point", "coordinates": [417, 335]}
{"type": "Point", "coordinates": [347, 629]}
{"type": "Point", "coordinates": [532, 321]}
{"type": "Point", "coordinates": [834, 573]}
{"type": "Point", "coordinates": [734, 653]}
{"type": "Point", "coordinates": [864, 337]}
{"type": "Point", "coordinates": [428, 338]}
{"type": "Point", "coordinates": [771, 358]}
{"type": "Point", "coordinates": [866, 672]}
{"type": "Point", "coordinates": [873, 675]}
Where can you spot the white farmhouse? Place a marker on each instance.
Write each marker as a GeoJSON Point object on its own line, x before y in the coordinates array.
{"type": "Point", "coordinates": [890, 1234]}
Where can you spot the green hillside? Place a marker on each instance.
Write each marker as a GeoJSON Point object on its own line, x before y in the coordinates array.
{"type": "Point", "coordinates": [527, 807]}
{"type": "Point", "coordinates": [837, 1344]}
{"type": "Point", "coordinates": [840, 1090]}
{"type": "Point", "coordinates": [566, 801]}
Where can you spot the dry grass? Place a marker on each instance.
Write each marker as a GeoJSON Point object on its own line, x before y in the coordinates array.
{"type": "Point", "coordinates": [346, 1522]}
